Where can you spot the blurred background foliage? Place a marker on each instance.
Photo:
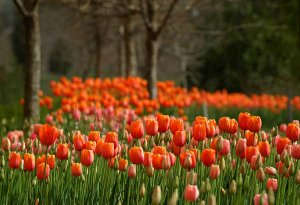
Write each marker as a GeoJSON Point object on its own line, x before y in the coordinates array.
{"type": "Point", "coordinates": [248, 46]}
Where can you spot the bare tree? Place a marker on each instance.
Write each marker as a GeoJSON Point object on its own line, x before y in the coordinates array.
{"type": "Point", "coordinates": [154, 27]}
{"type": "Point", "coordinates": [29, 12]}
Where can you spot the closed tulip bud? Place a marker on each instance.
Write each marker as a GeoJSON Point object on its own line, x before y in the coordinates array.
{"type": "Point", "coordinates": [291, 168]}
{"type": "Point", "coordinates": [260, 199]}
{"type": "Point", "coordinates": [256, 162]}
{"type": "Point", "coordinates": [156, 195]}
{"type": "Point", "coordinates": [174, 198]}
{"type": "Point", "coordinates": [34, 181]}
{"type": "Point", "coordinates": [297, 177]}
{"type": "Point", "coordinates": [202, 187]}
{"type": "Point", "coordinates": [277, 158]}
{"type": "Point", "coordinates": [260, 175]}
{"type": "Point", "coordinates": [176, 182]}
{"type": "Point", "coordinates": [131, 171]}
{"type": "Point", "coordinates": [207, 185]}
{"type": "Point", "coordinates": [232, 188]}
{"type": "Point", "coordinates": [247, 182]}
{"type": "Point", "coordinates": [150, 171]}
{"type": "Point", "coordinates": [6, 144]}
{"type": "Point", "coordinates": [212, 200]}
{"type": "Point", "coordinates": [284, 156]}
{"type": "Point", "coordinates": [242, 169]}
{"type": "Point", "coordinates": [214, 171]}
{"type": "Point", "coordinates": [219, 145]}
{"type": "Point", "coordinates": [22, 165]}
{"type": "Point", "coordinates": [223, 191]}
{"type": "Point", "coordinates": [2, 161]}
{"type": "Point", "coordinates": [240, 180]}
{"type": "Point", "coordinates": [82, 177]}
{"type": "Point", "coordinates": [191, 178]}
{"type": "Point", "coordinates": [271, 196]}
{"type": "Point", "coordinates": [142, 190]}
{"type": "Point", "coordinates": [270, 171]}
{"type": "Point", "coordinates": [202, 203]}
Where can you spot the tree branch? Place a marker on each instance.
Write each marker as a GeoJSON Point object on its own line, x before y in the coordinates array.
{"type": "Point", "coordinates": [21, 7]}
{"type": "Point", "coordinates": [144, 17]}
{"type": "Point", "coordinates": [166, 18]}
{"type": "Point", "coordinates": [35, 3]}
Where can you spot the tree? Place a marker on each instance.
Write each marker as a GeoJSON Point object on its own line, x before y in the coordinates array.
{"type": "Point", "coordinates": [29, 12]}
{"type": "Point", "coordinates": [154, 26]}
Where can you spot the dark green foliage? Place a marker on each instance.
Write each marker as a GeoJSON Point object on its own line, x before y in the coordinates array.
{"type": "Point", "coordinates": [257, 49]}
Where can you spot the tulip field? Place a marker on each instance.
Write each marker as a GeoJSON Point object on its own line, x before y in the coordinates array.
{"type": "Point", "coordinates": [103, 141]}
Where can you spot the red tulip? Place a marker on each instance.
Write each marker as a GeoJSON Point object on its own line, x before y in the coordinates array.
{"type": "Point", "coordinates": [14, 160]}
{"type": "Point", "coordinates": [282, 143]}
{"type": "Point", "coordinates": [208, 157]}
{"type": "Point", "coordinates": [264, 148]}
{"type": "Point", "coordinates": [255, 124]}
{"type": "Point", "coordinates": [76, 169]}
{"type": "Point", "coordinates": [240, 148]}
{"type": "Point", "coordinates": [48, 134]}
{"type": "Point", "coordinates": [179, 138]}
{"type": "Point", "coordinates": [272, 183]}
{"type": "Point", "coordinates": [296, 151]}
{"type": "Point", "coordinates": [163, 122]}
{"type": "Point", "coordinates": [147, 159]}
{"type": "Point", "coordinates": [137, 129]}
{"type": "Point", "coordinates": [62, 151]}
{"type": "Point", "coordinates": [250, 152]}
{"type": "Point", "coordinates": [136, 155]}
{"type": "Point", "coordinates": [244, 120]}
{"type": "Point", "coordinates": [292, 132]}
{"type": "Point", "coordinates": [41, 173]}
{"type": "Point", "coordinates": [87, 157]}
{"type": "Point", "coordinates": [224, 124]}
{"type": "Point", "coordinates": [199, 132]}
{"type": "Point", "coordinates": [29, 162]}
{"type": "Point", "coordinates": [176, 125]}
{"type": "Point", "coordinates": [191, 193]}
{"type": "Point", "coordinates": [131, 171]}
{"type": "Point", "coordinates": [112, 137]}
{"type": "Point", "coordinates": [151, 126]}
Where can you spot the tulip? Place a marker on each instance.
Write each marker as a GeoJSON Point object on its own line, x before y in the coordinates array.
{"type": "Point", "coordinates": [188, 160]}
{"type": "Point", "coordinates": [255, 124]}
{"type": "Point", "coordinates": [50, 160]}
{"type": "Point", "coordinates": [211, 128]}
{"type": "Point", "coordinates": [137, 129]}
{"type": "Point", "coordinates": [199, 132]}
{"type": "Point", "coordinates": [99, 147]}
{"type": "Point", "coordinates": [260, 175]}
{"type": "Point", "coordinates": [282, 127]}
{"type": "Point", "coordinates": [272, 184]}
{"type": "Point", "coordinates": [256, 162]}
{"type": "Point", "coordinates": [159, 150]}
{"type": "Point", "coordinates": [296, 151]}
{"type": "Point", "coordinates": [41, 173]}
{"type": "Point", "coordinates": [176, 125]}
{"type": "Point", "coordinates": [90, 145]}
{"type": "Point", "coordinates": [62, 151]}
{"type": "Point", "coordinates": [208, 157]}
{"type": "Point", "coordinates": [179, 138]}
{"type": "Point", "coordinates": [156, 195]}
{"type": "Point", "coordinates": [147, 159]}
{"type": "Point", "coordinates": [270, 171]}
{"type": "Point", "coordinates": [224, 124]}
{"type": "Point", "coordinates": [87, 157]}
{"type": "Point", "coordinates": [251, 138]}
{"type": "Point", "coordinates": [48, 134]}
{"type": "Point", "coordinates": [76, 169]}
{"type": "Point", "coordinates": [14, 160]}
{"type": "Point", "coordinates": [131, 171]}
{"type": "Point", "coordinates": [233, 128]}
{"type": "Point", "coordinates": [157, 161]}
{"type": "Point", "coordinates": [122, 164]}
{"type": "Point", "coordinates": [78, 142]}
{"type": "Point", "coordinates": [244, 120]}
{"type": "Point", "coordinates": [94, 136]}
{"type": "Point", "coordinates": [112, 137]}
{"type": "Point", "coordinates": [151, 126]}
{"type": "Point", "coordinates": [264, 148]}
{"type": "Point", "coordinates": [240, 148]}
{"type": "Point", "coordinates": [29, 162]}
{"type": "Point", "coordinates": [261, 199]}
{"type": "Point", "coordinates": [6, 144]}
{"type": "Point", "coordinates": [163, 122]}
{"type": "Point", "coordinates": [136, 155]}
{"type": "Point", "coordinates": [292, 132]}
{"type": "Point", "coordinates": [191, 193]}
{"type": "Point", "coordinates": [214, 171]}
{"type": "Point", "coordinates": [250, 152]}
{"type": "Point", "coordinates": [282, 144]}
{"type": "Point", "coordinates": [107, 150]}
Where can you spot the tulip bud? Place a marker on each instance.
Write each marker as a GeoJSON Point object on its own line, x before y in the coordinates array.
{"type": "Point", "coordinates": [174, 198]}
{"type": "Point", "coordinates": [6, 144]}
{"type": "Point", "coordinates": [150, 171]}
{"type": "Point", "coordinates": [247, 182]}
{"type": "Point", "coordinates": [214, 171]}
{"type": "Point", "coordinates": [131, 171]}
{"type": "Point", "coordinates": [232, 188]}
{"type": "Point", "coordinates": [34, 181]}
{"type": "Point", "coordinates": [297, 177]}
{"type": "Point", "coordinates": [277, 158]}
{"type": "Point", "coordinates": [202, 187]}
{"type": "Point", "coordinates": [240, 180]}
{"type": "Point", "coordinates": [283, 155]}
{"type": "Point", "coordinates": [260, 175]}
{"type": "Point", "coordinates": [202, 203]}
{"type": "Point", "coordinates": [212, 200]}
{"type": "Point", "coordinates": [271, 196]}
{"type": "Point", "coordinates": [191, 178]}
{"type": "Point", "coordinates": [291, 168]}
{"type": "Point", "coordinates": [219, 145]}
{"type": "Point", "coordinates": [2, 161]}
{"type": "Point", "coordinates": [188, 161]}
{"type": "Point", "coordinates": [207, 185]}
{"type": "Point", "coordinates": [156, 195]}
{"type": "Point", "coordinates": [223, 191]}
{"type": "Point", "coordinates": [223, 164]}
{"type": "Point", "coordinates": [270, 171]}
{"type": "Point", "coordinates": [242, 169]}
{"type": "Point", "coordinates": [142, 190]}
{"type": "Point", "coordinates": [82, 178]}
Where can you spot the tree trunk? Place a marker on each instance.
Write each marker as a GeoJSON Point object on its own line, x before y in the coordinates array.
{"type": "Point", "coordinates": [152, 46]}
{"type": "Point", "coordinates": [122, 58]}
{"type": "Point", "coordinates": [32, 66]}
{"type": "Point", "coordinates": [183, 71]}
{"type": "Point", "coordinates": [131, 64]}
{"type": "Point", "coordinates": [98, 53]}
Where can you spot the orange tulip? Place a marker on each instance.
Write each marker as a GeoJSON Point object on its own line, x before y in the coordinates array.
{"type": "Point", "coordinates": [48, 134]}
{"type": "Point", "coordinates": [292, 132]}
{"type": "Point", "coordinates": [244, 120]}
{"type": "Point", "coordinates": [214, 171]}
{"type": "Point", "coordinates": [255, 124]}
{"type": "Point", "coordinates": [176, 125]}
{"type": "Point", "coordinates": [157, 161]}
{"type": "Point", "coordinates": [112, 137]}
{"type": "Point", "coordinates": [41, 173]}
{"type": "Point", "coordinates": [224, 124]}
{"type": "Point", "coordinates": [151, 126]}
{"type": "Point", "coordinates": [137, 129]}
{"type": "Point", "coordinates": [123, 163]}
{"type": "Point", "coordinates": [159, 150]}
{"type": "Point", "coordinates": [62, 151]}
{"type": "Point", "coordinates": [51, 161]}
{"type": "Point", "coordinates": [251, 138]}
{"type": "Point", "coordinates": [250, 152]}
{"type": "Point", "coordinates": [188, 160]}
{"type": "Point", "coordinates": [87, 157]}
{"type": "Point", "coordinates": [264, 148]}
{"type": "Point", "coordinates": [99, 147]}
{"type": "Point", "coordinates": [282, 143]}
{"type": "Point", "coordinates": [90, 145]}
{"type": "Point", "coordinates": [163, 122]}
{"type": "Point", "coordinates": [107, 150]}
{"type": "Point", "coordinates": [199, 132]}
{"type": "Point", "coordinates": [210, 128]}
{"type": "Point", "coordinates": [179, 138]}
{"type": "Point", "coordinates": [131, 171]}
{"type": "Point", "coordinates": [78, 142]}
{"type": "Point", "coordinates": [76, 169]}
{"type": "Point", "coordinates": [233, 128]}
{"type": "Point", "coordinates": [94, 136]}
{"type": "Point", "coordinates": [14, 160]}
{"type": "Point", "coordinates": [136, 155]}
{"type": "Point", "coordinates": [208, 157]}
{"type": "Point", "coordinates": [29, 162]}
